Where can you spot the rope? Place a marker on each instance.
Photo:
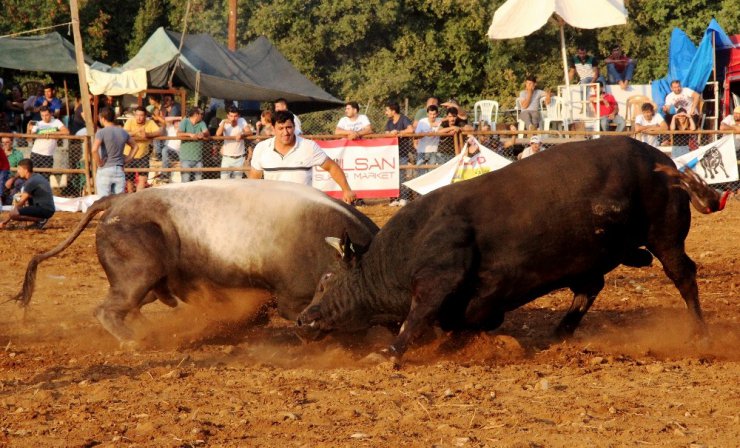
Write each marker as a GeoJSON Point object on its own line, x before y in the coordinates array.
{"type": "Point", "coordinates": [182, 41]}
{"type": "Point", "coordinates": [37, 29]}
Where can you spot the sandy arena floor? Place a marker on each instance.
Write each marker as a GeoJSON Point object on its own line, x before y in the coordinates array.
{"type": "Point", "coordinates": [632, 376]}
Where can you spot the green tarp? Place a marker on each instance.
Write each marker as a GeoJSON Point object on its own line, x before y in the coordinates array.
{"type": "Point", "coordinates": [258, 72]}
{"type": "Point", "coordinates": [47, 53]}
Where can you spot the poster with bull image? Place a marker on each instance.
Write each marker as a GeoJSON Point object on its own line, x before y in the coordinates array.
{"type": "Point", "coordinates": [474, 160]}
{"type": "Point", "coordinates": [716, 162]}
{"type": "Point", "coordinates": [371, 167]}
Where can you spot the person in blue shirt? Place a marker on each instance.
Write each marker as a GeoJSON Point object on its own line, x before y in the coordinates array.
{"type": "Point", "coordinates": [49, 100]}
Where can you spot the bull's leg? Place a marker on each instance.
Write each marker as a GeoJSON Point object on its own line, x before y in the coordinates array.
{"type": "Point", "coordinates": [682, 271]}
{"type": "Point", "coordinates": [428, 296]}
{"type": "Point", "coordinates": [721, 164]}
{"type": "Point", "coordinates": [584, 294]}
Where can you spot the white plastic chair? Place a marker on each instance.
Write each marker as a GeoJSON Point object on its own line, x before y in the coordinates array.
{"type": "Point", "coordinates": [488, 112]}
{"type": "Point", "coordinates": [554, 112]}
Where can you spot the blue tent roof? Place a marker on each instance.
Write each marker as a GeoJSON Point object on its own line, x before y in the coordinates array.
{"type": "Point", "coordinates": [689, 64]}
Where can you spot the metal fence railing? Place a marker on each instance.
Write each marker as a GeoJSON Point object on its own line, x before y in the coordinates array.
{"type": "Point", "coordinates": [72, 174]}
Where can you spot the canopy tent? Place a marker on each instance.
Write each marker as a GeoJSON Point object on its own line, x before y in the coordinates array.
{"type": "Point", "coordinates": [257, 72]}
{"type": "Point", "coordinates": [46, 53]}
{"type": "Point", "coordinates": [519, 18]}
{"type": "Point", "coordinates": [52, 53]}
{"type": "Point", "coordinates": [689, 64]}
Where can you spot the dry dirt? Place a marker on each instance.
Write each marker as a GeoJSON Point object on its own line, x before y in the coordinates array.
{"type": "Point", "coordinates": [632, 376]}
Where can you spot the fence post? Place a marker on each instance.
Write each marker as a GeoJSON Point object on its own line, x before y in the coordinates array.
{"type": "Point", "coordinates": [89, 165]}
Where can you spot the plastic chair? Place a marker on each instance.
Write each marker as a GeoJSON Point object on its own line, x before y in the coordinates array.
{"type": "Point", "coordinates": [485, 110]}
{"type": "Point", "coordinates": [554, 112]}
{"type": "Point", "coordinates": [634, 108]}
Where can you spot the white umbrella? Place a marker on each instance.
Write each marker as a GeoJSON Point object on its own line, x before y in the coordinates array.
{"type": "Point", "coordinates": [519, 18]}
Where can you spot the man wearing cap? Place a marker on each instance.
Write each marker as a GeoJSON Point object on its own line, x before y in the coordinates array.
{"type": "Point", "coordinates": [191, 151]}
{"type": "Point", "coordinates": [608, 110]}
{"type": "Point", "coordinates": [535, 146]}
{"type": "Point", "coordinates": [731, 122]}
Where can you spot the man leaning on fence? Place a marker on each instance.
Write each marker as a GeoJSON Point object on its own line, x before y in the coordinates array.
{"type": "Point", "coordinates": [142, 130]}
{"type": "Point", "coordinates": [36, 203]}
{"type": "Point", "coordinates": [108, 154]}
{"type": "Point", "coordinates": [44, 146]}
{"type": "Point", "coordinates": [731, 122]}
{"type": "Point", "coordinates": [354, 124]}
{"type": "Point", "coordinates": [427, 147]}
{"type": "Point", "coordinates": [649, 124]}
{"type": "Point", "coordinates": [233, 153]}
{"type": "Point", "coordinates": [291, 158]}
{"type": "Point", "coordinates": [191, 151]}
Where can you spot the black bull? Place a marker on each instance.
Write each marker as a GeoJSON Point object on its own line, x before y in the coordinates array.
{"type": "Point", "coordinates": [467, 253]}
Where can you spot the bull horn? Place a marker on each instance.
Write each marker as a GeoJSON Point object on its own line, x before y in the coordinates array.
{"type": "Point", "coordinates": [336, 243]}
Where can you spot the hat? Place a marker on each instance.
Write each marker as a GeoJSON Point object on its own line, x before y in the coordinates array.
{"type": "Point", "coordinates": [736, 110]}
{"type": "Point", "coordinates": [535, 139]}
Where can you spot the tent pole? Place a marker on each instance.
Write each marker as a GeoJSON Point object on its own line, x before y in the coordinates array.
{"type": "Point", "coordinates": [182, 41]}
{"type": "Point", "coordinates": [565, 69]}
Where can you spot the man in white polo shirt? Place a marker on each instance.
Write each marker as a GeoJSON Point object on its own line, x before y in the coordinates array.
{"type": "Point", "coordinates": [290, 158]}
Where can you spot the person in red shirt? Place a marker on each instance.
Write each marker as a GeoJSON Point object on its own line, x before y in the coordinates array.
{"type": "Point", "coordinates": [619, 68]}
{"type": "Point", "coordinates": [608, 110]}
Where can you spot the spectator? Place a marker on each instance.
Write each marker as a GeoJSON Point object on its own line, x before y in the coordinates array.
{"type": "Point", "coordinates": [282, 105]}
{"type": "Point", "coordinates": [682, 121]}
{"type": "Point", "coordinates": [28, 105]}
{"type": "Point", "coordinates": [142, 130]}
{"type": "Point", "coordinates": [291, 158]}
{"type": "Point", "coordinates": [169, 107]}
{"type": "Point", "coordinates": [427, 147]}
{"type": "Point", "coordinates": [354, 125]}
{"type": "Point", "coordinates": [451, 125]}
{"type": "Point", "coordinates": [42, 153]}
{"type": "Point", "coordinates": [619, 68]}
{"type": "Point", "coordinates": [4, 163]}
{"type": "Point", "coordinates": [608, 111]}
{"type": "Point", "coordinates": [421, 113]}
{"type": "Point", "coordinates": [648, 125]}
{"type": "Point", "coordinates": [461, 114]}
{"type": "Point", "coordinates": [232, 151]}
{"type": "Point", "coordinates": [13, 154]}
{"type": "Point", "coordinates": [587, 67]}
{"type": "Point", "coordinates": [171, 148]}
{"type": "Point", "coordinates": [535, 146]}
{"type": "Point", "coordinates": [48, 100]}
{"type": "Point", "coordinates": [36, 203]}
{"type": "Point", "coordinates": [731, 122]}
{"type": "Point", "coordinates": [264, 126]}
{"type": "Point", "coordinates": [529, 103]}
{"type": "Point", "coordinates": [108, 154]}
{"type": "Point", "coordinates": [14, 107]}
{"type": "Point", "coordinates": [399, 123]}
{"type": "Point", "coordinates": [493, 141]}
{"type": "Point", "coordinates": [681, 98]}
{"type": "Point", "coordinates": [191, 152]}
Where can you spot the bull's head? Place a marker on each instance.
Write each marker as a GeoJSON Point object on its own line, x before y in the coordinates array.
{"type": "Point", "coordinates": [337, 302]}
{"type": "Point", "coordinates": [703, 197]}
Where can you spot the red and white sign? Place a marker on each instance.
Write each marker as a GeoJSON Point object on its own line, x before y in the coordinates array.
{"type": "Point", "coordinates": [371, 167]}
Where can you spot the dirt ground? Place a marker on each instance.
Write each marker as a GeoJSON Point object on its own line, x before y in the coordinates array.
{"type": "Point", "coordinates": [632, 376]}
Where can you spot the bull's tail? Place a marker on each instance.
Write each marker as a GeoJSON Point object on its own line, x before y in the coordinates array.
{"type": "Point", "coordinates": [24, 296]}
{"type": "Point", "coordinates": [703, 197]}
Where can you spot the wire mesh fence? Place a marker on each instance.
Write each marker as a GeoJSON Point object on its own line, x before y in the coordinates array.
{"type": "Point", "coordinates": [66, 160]}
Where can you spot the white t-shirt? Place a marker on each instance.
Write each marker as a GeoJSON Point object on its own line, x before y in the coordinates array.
{"type": "Point", "coordinates": [46, 146]}
{"type": "Point", "coordinates": [729, 121]}
{"type": "Point", "coordinates": [297, 125]}
{"type": "Point", "coordinates": [650, 139]}
{"type": "Point", "coordinates": [172, 132]}
{"type": "Point", "coordinates": [683, 99]}
{"type": "Point", "coordinates": [233, 147]}
{"type": "Point", "coordinates": [427, 144]}
{"type": "Point", "coordinates": [360, 123]}
{"type": "Point", "coordinates": [296, 166]}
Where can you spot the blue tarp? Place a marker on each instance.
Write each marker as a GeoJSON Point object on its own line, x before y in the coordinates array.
{"type": "Point", "coordinates": [689, 64]}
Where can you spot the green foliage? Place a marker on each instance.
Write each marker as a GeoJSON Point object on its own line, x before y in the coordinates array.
{"type": "Point", "coordinates": [373, 50]}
